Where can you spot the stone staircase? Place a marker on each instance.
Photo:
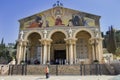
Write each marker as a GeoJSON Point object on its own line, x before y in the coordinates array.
{"type": "Point", "coordinates": [116, 67]}
{"type": "Point", "coordinates": [105, 70]}
{"type": "Point", "coordinates": [110, 68]}
{"type": "Point", "coordinates": [4, 69]}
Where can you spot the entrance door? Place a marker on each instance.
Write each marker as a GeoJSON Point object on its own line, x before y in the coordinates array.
{"type": "Point", "coordinates": [59, 56]}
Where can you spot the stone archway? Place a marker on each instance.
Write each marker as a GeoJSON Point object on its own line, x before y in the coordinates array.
{"type": "Point", "coordinates": [83, 29]}
{"type": "Point", "coordinates": [33, 55]}
{"type": "Point", "coordinates": [57, 30]}
{"type": "Point", "coordinates": [58, 48]}
{"type": "Point", "coordinates": [32, 31]}
{"type": "Point", "coordinates": [83, 48]}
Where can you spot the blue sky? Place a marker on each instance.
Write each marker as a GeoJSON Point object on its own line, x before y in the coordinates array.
{"type": "Point", "coordinates": [13, 10]}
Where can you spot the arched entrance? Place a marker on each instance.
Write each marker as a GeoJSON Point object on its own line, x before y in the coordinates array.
{"type": "Point", "coordinates": [33, 55]}
{"type": "Point", "coordinates": [58, 48]}
{"type": "Point", "coordinates": [83, 49]}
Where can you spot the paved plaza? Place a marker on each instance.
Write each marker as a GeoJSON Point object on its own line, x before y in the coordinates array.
{"type": "Point", "coordinates": [66, 77]}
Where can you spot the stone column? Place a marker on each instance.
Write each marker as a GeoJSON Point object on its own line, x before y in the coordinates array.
{"type": "Point", "coordinates": [24, 49]}
{"type": "Point", "coordinates": [93, 56]}
{"type": "Point", "coordinates": [71, 53]}
{"type": "Point", "coordinates": [74, 54]}
{"type": "Point", "coordinates": [91, 42]}
{"type": "Point", "coordinates": [42, 51]}
{"type": "Point", "coordinates": [19, 51]}
{"type": "Point", "coordinates": [46, 50]}
{"type": "Point", "coordinates": [45, 53]}
{"type": "Point", "coordinates": [28, 52]}
{"type": "Point", "coordinates": [94, 42]}
{"type": "Point", "coordinates": [67, 54]}
{"type": "Point", "coordinates": [99, 50]}
{"type": "Point", "coordinates": [41, 58]}
{"type": "Point", "coordinates": [71, 50]}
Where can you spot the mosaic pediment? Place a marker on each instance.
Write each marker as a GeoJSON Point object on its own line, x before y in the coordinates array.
{"type": "Point", "coordinates": [58, 16]}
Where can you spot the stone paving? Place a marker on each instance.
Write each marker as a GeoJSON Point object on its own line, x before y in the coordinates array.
{"type": "Point", "coordinates": [66, 77]}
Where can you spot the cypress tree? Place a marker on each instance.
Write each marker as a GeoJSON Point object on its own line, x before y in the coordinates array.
{"type": "Point", "coordinates": [111, 40]}
{"type": "Point", "coordinates": [108, 36]}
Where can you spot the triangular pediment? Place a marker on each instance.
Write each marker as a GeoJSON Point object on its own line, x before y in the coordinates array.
{"type": "Point", "coordinates": [59, 16]}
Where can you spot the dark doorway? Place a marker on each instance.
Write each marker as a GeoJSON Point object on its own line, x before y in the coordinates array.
{"type": "Point", "coordinates": [60, 56]}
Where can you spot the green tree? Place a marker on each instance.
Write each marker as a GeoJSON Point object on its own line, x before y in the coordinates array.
{"type": "Point", "coordinates": [8, 53]}
{"type": "Point", "coordinates": [111, 41]}
{"type": "Point", "coordinates": [2, 48]}
{"type": "Point", "coordinates": [118, 38]}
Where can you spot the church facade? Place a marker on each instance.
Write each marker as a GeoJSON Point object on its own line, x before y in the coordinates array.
{"type": "Point", "coordinates": [60, 36]}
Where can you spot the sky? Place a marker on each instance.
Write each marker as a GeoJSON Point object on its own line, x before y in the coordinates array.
{"type": "Point", "coordinates": [13, 10]}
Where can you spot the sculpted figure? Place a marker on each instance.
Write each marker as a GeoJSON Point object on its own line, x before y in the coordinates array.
{"type": "Point", "coordinates": [45, 33]}
{"type": "Point", "coordinates": [21, 35]}
{"type": "Point", "coordinates": [70, 32]}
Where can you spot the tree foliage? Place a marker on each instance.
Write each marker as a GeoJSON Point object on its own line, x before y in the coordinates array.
{"type": "Point", "coordinates": [7, 53]}
{"type": "Point", "coordinates": [111, 40]}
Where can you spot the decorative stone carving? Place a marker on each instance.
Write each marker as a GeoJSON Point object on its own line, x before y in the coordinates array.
{"type": "Point", "coordinates": [45, 33]}
{"type": "Point", "coordinates": [25, 43]}
{"type": "Point", "coordinates": [21, 35]}
{"type": "Point", "coordinates": [96, 33]}
{"type": "Point", "coordinates": [70, 32]}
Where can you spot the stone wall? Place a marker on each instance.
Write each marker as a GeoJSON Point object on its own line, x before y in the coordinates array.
{"type": "Point", "coordinates": [54, 69]}
{"type": "Point", "coordinates": [87, 69]}
{"type": "Point", "coordinates": [63, 69]}
{"type": "Point", "coordinates": [35, 69]}
{"type": "Point", "coordinates": [68, 70]}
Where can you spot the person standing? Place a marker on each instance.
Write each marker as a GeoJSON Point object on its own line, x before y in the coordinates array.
{"type": "Point", "coordinates": [47, 72]}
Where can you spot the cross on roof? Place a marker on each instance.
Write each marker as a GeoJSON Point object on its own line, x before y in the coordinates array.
{"type": "Point", "coordinates": [58, 3]}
